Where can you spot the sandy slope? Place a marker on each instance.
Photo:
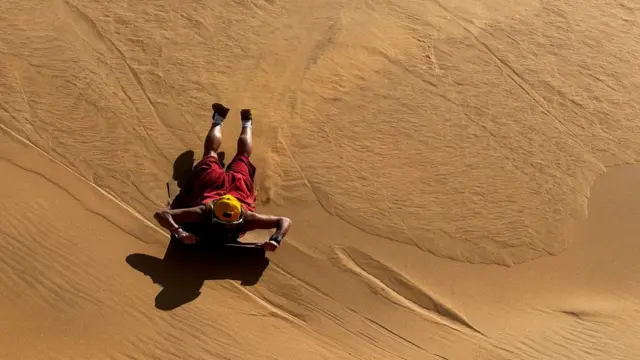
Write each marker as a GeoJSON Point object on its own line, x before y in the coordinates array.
{"type": "Point", "coordinates": [436, 158]}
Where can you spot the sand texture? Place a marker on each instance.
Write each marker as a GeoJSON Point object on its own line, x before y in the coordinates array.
{"type": "Point", "coordinates": [460, 174]}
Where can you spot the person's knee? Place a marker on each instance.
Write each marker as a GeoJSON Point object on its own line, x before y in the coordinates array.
{"type": "Point", "coordinates": [242, 155]}
{"type": "Point", "coordinates": [211, 153]}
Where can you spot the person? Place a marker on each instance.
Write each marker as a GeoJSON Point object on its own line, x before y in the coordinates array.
{"type": "Point", "coordinates": [218, 202]}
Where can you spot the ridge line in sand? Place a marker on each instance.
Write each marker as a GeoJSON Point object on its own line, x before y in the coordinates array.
{"type": "Point", "coordinates": [287, 316]}
{"type": "Point", "coordinates": [439, 308]}
{"type": "Point", "coordinates": [94, 186]}
{"type": "Point", "coordinates": [132, 72]}
{"type": "Point", "coordinates": [515, 77]}
{"type": "Point", "coordinates": [366, 319]}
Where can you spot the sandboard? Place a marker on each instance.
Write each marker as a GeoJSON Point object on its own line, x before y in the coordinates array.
{"type": "Point", "coordinates": [243, 245]}
{"type": "Point", "coordinates": [216, 244]}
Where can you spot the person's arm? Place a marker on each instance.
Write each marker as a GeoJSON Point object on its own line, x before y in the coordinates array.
{"type": "Point", "coordinates": [169, 219]}
{"type": "Point", "coordinates": [282, 225]}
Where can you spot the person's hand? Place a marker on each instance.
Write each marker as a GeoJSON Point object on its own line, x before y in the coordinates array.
{"type": "Point", "coordinates": [270, 245]}
{"type": "Point", "coordinates": [185, 237]}
{"type": "Point", "coordinates": [188, 238]}
{"type": "Point", "coordinates": [273, 243]}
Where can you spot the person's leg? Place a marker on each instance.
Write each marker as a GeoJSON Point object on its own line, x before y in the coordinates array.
{"type": "Point", "coordinates": [214, 137]}
{"type": "Point", "coordinates": [245, 141]}
{"type": "Point", "coordinates": [241, 170]}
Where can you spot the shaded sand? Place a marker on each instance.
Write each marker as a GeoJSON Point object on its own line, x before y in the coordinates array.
{"type": "Point", "coordinates": [455, 172]}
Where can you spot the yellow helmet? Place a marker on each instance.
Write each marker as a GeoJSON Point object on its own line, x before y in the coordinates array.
{"type": "Point", "coordinates": [227, 210]}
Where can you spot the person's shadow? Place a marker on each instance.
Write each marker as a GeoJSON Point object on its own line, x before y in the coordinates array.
{"type": "Point", "coordinates": [183, 166]}
{"type": "Point", "coordinates": [184, 269]}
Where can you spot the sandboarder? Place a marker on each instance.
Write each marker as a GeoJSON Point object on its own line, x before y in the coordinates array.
{"type": "Point", "coordinates": [217, 202]}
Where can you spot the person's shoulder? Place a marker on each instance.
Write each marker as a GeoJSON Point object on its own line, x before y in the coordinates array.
{"type": "Point", "coordinates": [251, 216]}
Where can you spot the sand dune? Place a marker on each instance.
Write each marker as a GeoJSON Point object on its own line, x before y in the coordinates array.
{"type": "Point", "coordinates": [460, 174]}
